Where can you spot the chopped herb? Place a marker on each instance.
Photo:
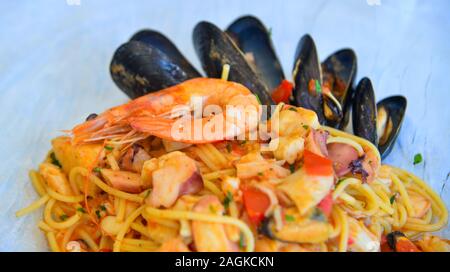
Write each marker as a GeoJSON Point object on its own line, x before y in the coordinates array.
{"type": "Point", "coordinates": [63, 217]}
{"type": "Point", "coordinates": [318, 87]}
{"type": "Point", "coordinates": [227, 200]}
{"type": "Point", "coordinates": [257, 98]}
{"type": "Point", "coordinates": [97, 169]}
{"type": "Point", "coordinates": [305, 126]}
{"type": "Point", "coordinates": [417, 158]}
{"type": "Point", "coordinates": [110, 148]}
{"type": "Point", "coordinates": [293, 109]}
{"type": "Point", "coordinates": [241, 240]}
{"type": "Point", "coordinates": [243, 142]}
{"type": "Point", "coordinates": [339, 182]}
{"type": "Point", "coordinates": [260, 173]}
{"type": "Point", "coordinates": [228, 146]}
{"type": "Point", "coordinates": [292, 168]}
{"type": "Point", "coordinates": [289, 218]}
{"type": "Point", "coordinates": [99, 215]}
{"type": "Point", "coordinates": [392, 199]}
{"type": "Point", "coordinates": [81, 210]}
{"type": "Point", "coordinates": [102, 207]}
{"type": "Point", "coordinates": [55, 160]}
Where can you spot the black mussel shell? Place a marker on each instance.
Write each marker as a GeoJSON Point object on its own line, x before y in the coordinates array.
{"type": "Point", "coordinates": [140, 66]}
{"type": "Point", "coordinates": [215, 49]}
{"type": "Point", "coordinates": [156, 39]}
{"type": "Point", "coordinates": [338, 73]}
{"type": "Point", "coordinates": [364, 112]}
{"type": "Point", "coordinates": [390, 113]}
{"type": "Point", "coordinates": [254, 40]}
{"type": "Point", "coordinates": [306, 71]}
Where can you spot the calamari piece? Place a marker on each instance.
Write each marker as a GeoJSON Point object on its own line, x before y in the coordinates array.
{"type": "Point", "coordinates": [174, 175]}
{"type": "Point", "coordinates": [55, 178]}
{"type": "Point", "coordinates": [211, 236]}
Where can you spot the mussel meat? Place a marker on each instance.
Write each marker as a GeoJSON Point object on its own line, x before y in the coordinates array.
{"type": "Point", "coordinates": [390, 113]}
{"type": "Point", "coordinates": [338, 74]}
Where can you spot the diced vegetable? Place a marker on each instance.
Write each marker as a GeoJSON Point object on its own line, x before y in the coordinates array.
{"type": "Point", "coordinates": [256, 204]}
{"type": "Point", "coordinates": [282, 92]}
{"type": "Point", "coordinates": [316, 165]}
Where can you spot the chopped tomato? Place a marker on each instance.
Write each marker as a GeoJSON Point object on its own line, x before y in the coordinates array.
{"type": "Point", "coordinates": [350, 241]}
{"type": "Point", "coordinates": [326, 205]}
{"type": "Point", "coordinates": [256, 204]}
{"type": "Point", "coordinates": [282, 92]}
{"type": "Point", "coordinates": [316, 165]}
{"type": "Point", "coordinates": [403, 244]}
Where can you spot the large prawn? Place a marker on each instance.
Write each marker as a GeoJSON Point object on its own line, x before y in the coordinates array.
{"type": "Point", "coordinates": [163, 114]}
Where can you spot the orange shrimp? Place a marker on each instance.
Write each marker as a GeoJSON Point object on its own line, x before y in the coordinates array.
{"type": "Point", "coordinates": [159, 114]}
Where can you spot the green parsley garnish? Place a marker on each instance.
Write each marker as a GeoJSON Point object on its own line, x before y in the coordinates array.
{"type": "Point", "coordinates": [241, 240]}
{"type": "Point", "coordinates": [318, 87]}
{"type": "Point", "coordinates": [228, 146]}
{"type": "Point", "coordinates": [110, 148]}
{"type": "Point", "coordinates": [417, 158]}
{"type": "Point", "coordinates": [97, 169]}
{"type": "Point", "coordinates": [289, 218]}
{"type": "Point", "coordinates": [293, 109]}
{"type": "Point", "coordinates": [147, 193]}
{"type": "Point", "coordinates": [243, 142]}
{"type": "Point", "coordinates": [260, 173]}
{"type": "Point", "coordinates": [102, 207]}
{"type": "Point", "coordinates": [292, 168]}
{"type": "Point", "coordinates": [227, 200]}
{"type": "Point", "coordinates": [305, 126]}
{"type": "Point", "coordinates": [63, 217]}
{"type": "Point", "coordinates": [257, 98]}
{"type": "Point", "coordinates": [81, 210]}
{"type": "Point", "coordinates": [392, 199]}
{"type": "Point", "coordinates": [99, 215]}
{"type": "Point", "coordinates": [55, 160]}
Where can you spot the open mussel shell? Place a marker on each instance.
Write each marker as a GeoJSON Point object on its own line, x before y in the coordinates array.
{"type": "Point", "coordinates": [364, 112]}
{"type": "Point", "coordinates": [338, 73]}
{"type": "Point", "coordinates": [306, 71]}
{"type": "Point", "coordinates": [149, 62]}
{"type": "Point", "coordinates": [390, 113]}
{"type": "Point", "coordinates": [253, 38]}
{"type": "Point", "coordinates": [215, 49]}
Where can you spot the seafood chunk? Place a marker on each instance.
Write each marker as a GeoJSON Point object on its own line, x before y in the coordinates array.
{"type": "Point", "coordinates": [174, 174]}
{"type": "Point", "coordinates": [211, 236]}
{"type": "Point", "coordinates": [55, 178]}
{"type": "Point", "coordinates": [316, 142]}
{"type": "Point", "coordinates": [122, 180]}
{"type": "Point", "coordinates": [341, 155]}
{"type": "Point", "coordinates": [420, 204]}
{"type": "Point", "coordinates": [134, 159]}
{"type": "Point", "coordinates": [360, 237]}
{"type": "Point", "coordinates": [310, 184]}
{"type": "Point", "coordinates": [70, 155]}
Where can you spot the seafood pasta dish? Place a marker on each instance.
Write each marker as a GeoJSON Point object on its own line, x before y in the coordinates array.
{"type": "Point", "coordinates": [239, 160]}
{"type": "Point", "coordinates": [138, 177]}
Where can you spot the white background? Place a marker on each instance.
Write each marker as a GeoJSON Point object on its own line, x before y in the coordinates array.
{"type": "Point", "coordinates": [54, 61]}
